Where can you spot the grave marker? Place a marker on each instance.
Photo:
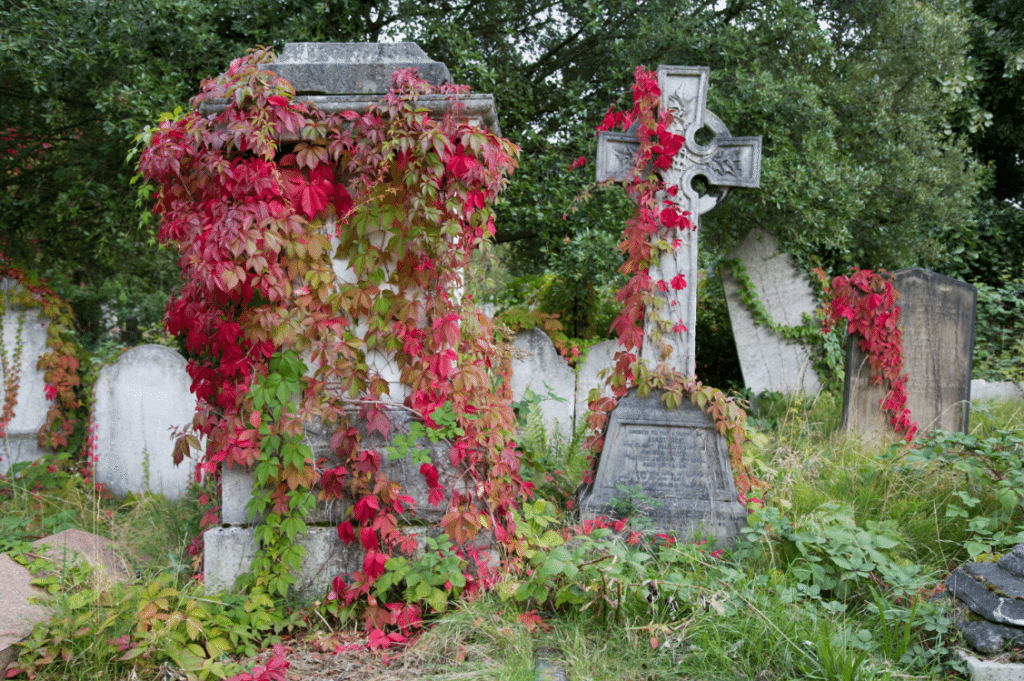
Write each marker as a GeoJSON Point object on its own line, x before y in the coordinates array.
{"type": "Point", "coordinates": [725, 162]}
{"type": "Point", "coordinates": [937, 316]}
{"type": "Point", "coordinates": [769, 361]}
{"type": "Point", "coordinates": [676, 456]}
{"type": "Point", "coordinates": [20, 443]}
{"type": "Point", "coordinates": [139, 399]}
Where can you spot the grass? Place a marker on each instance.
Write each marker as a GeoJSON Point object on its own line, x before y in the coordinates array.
{"type": "Point", "coordinates": [791, 602]}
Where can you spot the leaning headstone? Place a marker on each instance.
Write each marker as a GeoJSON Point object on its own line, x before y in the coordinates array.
{"type": "Point", "coordinates": [769, 361]}
{"type": "Point", "coordinates": [937, 316]}
{"type": "Point", "coordinates": [677, 459]}
{"type": "Point", "coordinates": [20, 443]}
{"type": "Point", "coordinates": [546, 374]}
{"type": "Point", "coordinates": [140, 399]}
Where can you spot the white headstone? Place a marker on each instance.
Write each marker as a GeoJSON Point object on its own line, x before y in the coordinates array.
{"type": "Point", "coordinates": [599, 356]}
{"type": "Point", "coordinates": [20, 443]}
{"type": "Point", "coordinates": [139, 399]}
{"type": "Point", "coordinates": [768, 361]}
{"type": "Point", "coordinates": [544, 371]}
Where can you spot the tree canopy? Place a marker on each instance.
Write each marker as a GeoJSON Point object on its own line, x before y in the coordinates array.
{"type": "Point", "coordinates": [867, 110]}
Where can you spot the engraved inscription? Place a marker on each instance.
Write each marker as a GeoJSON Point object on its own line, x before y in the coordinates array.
{"type": "Point", "coordinates": [670, 462]}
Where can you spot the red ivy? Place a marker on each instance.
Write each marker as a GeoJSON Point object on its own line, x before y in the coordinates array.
{"type": "Point", "coordinates": [261, 200]}
{"type": "Point", "coordinates": [867, 301]}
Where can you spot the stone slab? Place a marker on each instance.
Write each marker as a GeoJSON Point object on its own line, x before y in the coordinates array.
{"type": "Point", "coordinates": [937, 316]}
{"type": "Point", "coordinates": [980, 599]}
{"type": "Point", "coordinates": [991, 670]}
{"type": "Point", "coordinates": [228, 553]}
{"type": "Point", "coordinates": [100, 553]}
{"type": "Point", "coordinates": [1013, 562]}
{"type": "Point", "coordinates": [32, 405]}
{"type": "Point", "coordinates": [996, 390]}
{"type": "Point", "coordinates": [996, 577]}
{"type": "Point", "coordinates": [19, 615]}
{"type": "Point", "coordinates": [541, 368]}
{"type": "Point", "coordinates": [600, 356]}
{"type": "Point", "coordinates": [352, 68]}
{"type": "Point", "coordinates": [768, 361]}
{"type": "Point", "coordinates": [139, 399]}
{"type": "Point", "coordinates": [677, 458]}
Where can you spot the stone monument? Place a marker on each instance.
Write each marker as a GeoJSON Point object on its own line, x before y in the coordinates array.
{"type": "Point", "coordinates": [937, 316]}
{"type": "Point", "coordinates": [769, 361]}
{"type": "Point", "coordinates": [677, 457]}
{"type": "Point", "coordinates": [339, 77]}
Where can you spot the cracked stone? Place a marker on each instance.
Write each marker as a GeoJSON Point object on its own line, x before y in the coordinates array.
{"type": "Point", "coordinates": [984, 601]}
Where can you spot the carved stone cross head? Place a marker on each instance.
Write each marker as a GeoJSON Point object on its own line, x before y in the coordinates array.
{"type": "Point", "coordinates": [724, 161]}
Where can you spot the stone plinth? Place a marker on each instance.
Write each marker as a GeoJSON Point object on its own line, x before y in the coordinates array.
{"type": "Point", "coordinates": [769, 361]}
{"type": "Point", "coordinates": [139, 400]}
{"type": "Point", "coordinates": [677, 458]}
{"type": "Point", "coordinates": [937, 316]}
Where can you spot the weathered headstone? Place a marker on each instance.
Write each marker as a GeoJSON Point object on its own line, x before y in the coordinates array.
{"type": "Point", "coordinates": [544, 372]}
{"type": "Point", "coordinates": [599, 357]}
{"type": "Point", "coordinates": [937, 316]}
{"type": "Point", "coordinates": [20, 443]}
{"type": "Point", "coordinates": [676, 456]}
{"type": "Point", "coordinates": [769, 361]}
{"type": "Point", "coordinates": [139, 399]}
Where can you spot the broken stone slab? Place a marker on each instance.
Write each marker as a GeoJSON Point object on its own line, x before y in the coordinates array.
{"type": "Point", "coordinates": [353, 68]}
{"type": "Point", "coordinates": [1003, 582]}
{"type": "Point", "coordinates": [984, 601]}
{"type": "Point", "coordinates": [20, 613]}
{"type": "Point", "coordinates": [1013, 562]}
{"type": "Point", "coordinates": [980, 634]}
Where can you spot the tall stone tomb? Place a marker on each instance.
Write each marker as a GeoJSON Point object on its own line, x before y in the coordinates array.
{"type": "Point", "coordinates": [19, 444]}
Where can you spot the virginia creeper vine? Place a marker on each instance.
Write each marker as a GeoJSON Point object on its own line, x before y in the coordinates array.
{"type": "Point", "coordinates": [266, 202]}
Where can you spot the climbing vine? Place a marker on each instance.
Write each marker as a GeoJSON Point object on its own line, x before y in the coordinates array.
{"type": "Point", "coordinates": [826, 348]}
{"type": "Point", "coordinates": [867, 301]}
{"type": "Point", "coordinates": [263, 201]}
{"type": "Point", "coordinates": [60, 363]}
{"type": "Point", "coordinates": [650, 232]}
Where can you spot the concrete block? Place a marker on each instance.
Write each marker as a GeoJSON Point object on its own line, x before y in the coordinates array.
{"type": "Point", "coordinates": [990, 670]}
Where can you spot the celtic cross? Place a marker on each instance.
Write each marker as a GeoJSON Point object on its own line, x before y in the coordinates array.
{"type": "Point", "coordinates": [724, 161]}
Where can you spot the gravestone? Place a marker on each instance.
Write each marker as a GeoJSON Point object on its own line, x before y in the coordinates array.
{"type": "Point", "coordinates": [599, 357]}
{"type": "Point", "coordinates": [139, 399]}
{"type": "Point", "coordinates": [22, 433]}
{"type": "Point", "coordinates": [769, 361]}
{"type": "Point", "coordinates": [676, 456]}
{"type": "Point", "coordinates": [937, 316]}
{"type": "Point", "coordinates": [544, 372]}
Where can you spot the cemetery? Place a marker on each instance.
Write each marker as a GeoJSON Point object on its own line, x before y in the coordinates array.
{"type": "Point", "coordinates": [344, 453]}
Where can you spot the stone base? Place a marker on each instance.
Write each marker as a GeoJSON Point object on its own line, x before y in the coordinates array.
{"type": "Point", "coordinates": [228, 552]}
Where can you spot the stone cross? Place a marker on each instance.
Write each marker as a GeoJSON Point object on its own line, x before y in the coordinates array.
{"type": "Point", "coordinates": [724, 161]}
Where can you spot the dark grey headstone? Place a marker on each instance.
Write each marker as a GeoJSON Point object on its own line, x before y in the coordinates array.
{"type": "Point", "coordinates": [352, 68]}
{"type": "Point", "coordinates": [983, 600]}
{"type": "Point", "coordinates": [677, 458]}
{"type": "Point", "coordinates": [937, 316]}
{"type": "Point", "coordinates": [1001, 581]}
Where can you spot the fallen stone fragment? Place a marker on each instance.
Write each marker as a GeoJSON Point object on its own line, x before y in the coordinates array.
{"type": "Point", "coordinates": [1013, 561]}
{"type": "Point", "coordinates": [19, 614]}
{"type": "Point", "coordinates": [984, 601]}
